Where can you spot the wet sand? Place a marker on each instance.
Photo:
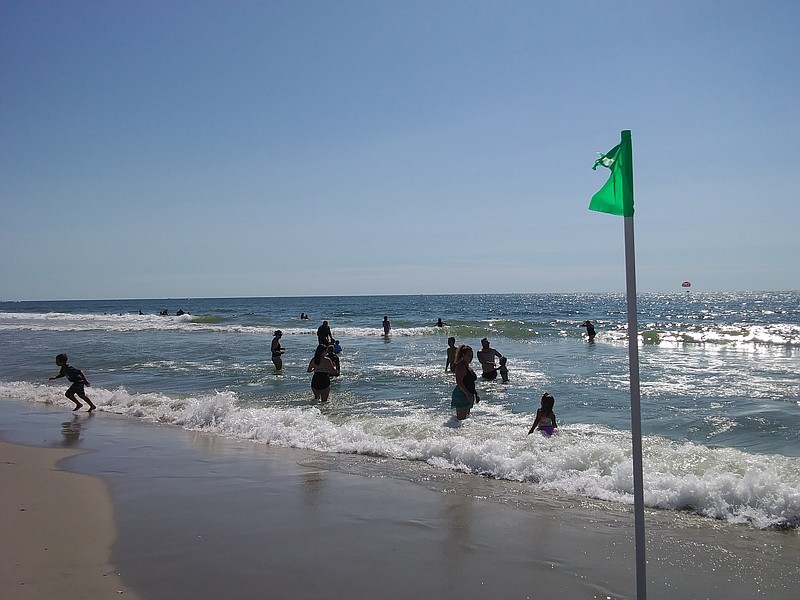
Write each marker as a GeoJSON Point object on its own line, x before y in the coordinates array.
{"type": "Point", "coordinates": [57, 529]}
{"type": "Point", "coordinates": [198, 516]}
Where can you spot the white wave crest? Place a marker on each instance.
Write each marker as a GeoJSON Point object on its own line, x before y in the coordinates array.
{"type": "Point", "coordinates": [582, 460]}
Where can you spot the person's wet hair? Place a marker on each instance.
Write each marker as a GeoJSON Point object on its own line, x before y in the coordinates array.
{"type": "Point", "coordinates": [461, 350]}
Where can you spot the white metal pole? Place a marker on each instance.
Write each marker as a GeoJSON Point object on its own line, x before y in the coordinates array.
{"type": "Point", "coordinates": [636, 413]}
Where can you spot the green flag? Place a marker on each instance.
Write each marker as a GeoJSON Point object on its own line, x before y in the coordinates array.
{"type": "Point", "coordinates": [616, 196]}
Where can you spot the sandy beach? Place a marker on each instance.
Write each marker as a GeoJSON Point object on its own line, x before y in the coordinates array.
{"type": "Point", "coordinates": [136, 510]}
{"type": "Point", "coordinates": [57, 529]}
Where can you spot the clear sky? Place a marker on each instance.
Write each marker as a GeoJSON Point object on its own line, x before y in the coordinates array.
{"type": "Point", "coordinates": [275, 148]}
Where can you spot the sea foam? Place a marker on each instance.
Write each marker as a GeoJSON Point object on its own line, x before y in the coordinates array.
{"type": "Point", "coordinates": [583, 459]}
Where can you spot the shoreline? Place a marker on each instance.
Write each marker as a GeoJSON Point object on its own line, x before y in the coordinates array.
{"type": "Point", "coordinates": [58, 529]}
{"type": "Point", "coordinates": [200, 516]}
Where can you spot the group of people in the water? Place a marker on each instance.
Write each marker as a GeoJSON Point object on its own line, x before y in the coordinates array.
{"type": "Point", "coordinates": [165, 313]}
{"type": "Point", "coordinates": [465, 395]}
{"type": "Point", "coordinates": [387, 326]}
{"type": "Point", "coordinates": [325, 364]}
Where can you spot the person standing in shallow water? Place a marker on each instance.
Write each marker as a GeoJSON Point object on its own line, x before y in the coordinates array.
{"type": "Point", "coordinates": [545, 417]}
{"type": "Point", "coordinates": [387, 326]}
{"type": "Point", "coordinates": [450, 363]}
{"type": "Point", "coordinates": [324, 335]}
{"type": "Point", "coordinates": [464, 395]}
{"type": "Point", "coordinates": [78, 381]}
{"type": "Point", "coordinates": [503, 369]}
{"type": "Point", "coordinates": [277, 350]}
{"type": "Point", "coordinates": [322, 367]}
{"type": "Point", "coordinates": [589, 330]}
{"type": "Point", "coordinates": [486, 357]}
{"type": "Point", "coordinates": [335, 360]}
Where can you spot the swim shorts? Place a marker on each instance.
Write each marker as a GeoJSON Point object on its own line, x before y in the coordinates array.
{"type": "Point", "coordinates": [75, 388]}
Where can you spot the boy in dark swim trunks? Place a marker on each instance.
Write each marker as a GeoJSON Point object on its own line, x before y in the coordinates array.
{"type": "Point", "coordinates": [78, 381]}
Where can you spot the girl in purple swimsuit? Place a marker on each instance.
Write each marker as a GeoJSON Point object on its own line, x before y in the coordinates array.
{"type": "Point", "coordinates": [545, 417]}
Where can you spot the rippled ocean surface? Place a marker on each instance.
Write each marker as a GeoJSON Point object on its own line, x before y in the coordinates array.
{"type": "Point", "coordinates": [719, 373]}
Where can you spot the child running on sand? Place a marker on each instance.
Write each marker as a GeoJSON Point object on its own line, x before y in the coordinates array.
{"type": "Point", "coordinates": [78, 381]}
{"type": "Point", "coordinates": [545, 417]}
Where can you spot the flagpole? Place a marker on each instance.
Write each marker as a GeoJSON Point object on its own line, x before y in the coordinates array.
{"type": "Point", "coordinates": [616, 198]}
{"type": "Point", "coordinates": [633, 360]}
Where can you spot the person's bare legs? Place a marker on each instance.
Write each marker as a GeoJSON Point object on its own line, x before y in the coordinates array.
{"type": "Point", "coordinates": [85, 398]}
{"type": "Point", "coordinates": [72, 397]}
{"type": "Point", "coordinates": [324, 394]}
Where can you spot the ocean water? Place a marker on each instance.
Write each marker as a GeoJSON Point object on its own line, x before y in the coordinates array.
{"type": "Point", "coordinates": [720, 385]}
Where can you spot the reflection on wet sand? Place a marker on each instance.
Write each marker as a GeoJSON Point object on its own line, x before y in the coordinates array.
{"type": "Point", "coordinates": [71, 430]}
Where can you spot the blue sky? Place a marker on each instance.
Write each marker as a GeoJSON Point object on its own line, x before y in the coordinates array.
{"type": "Point", "coordinates": [196, 148]}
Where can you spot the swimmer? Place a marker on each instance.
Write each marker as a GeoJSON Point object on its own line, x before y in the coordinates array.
{"type": "Point", "coordinates": [450, 363]}
{"type": "Point", "coordinates": [277, 350]}
{"type": "Point", "coordinates": [486, 357]}
{"type": "Point", "coordinates": [589, 330]}
{"type": "Point", "coordinates": [324, 336]}
{"type": "Point", "coordinates": [464, 395]}
{"type": "Point", "coordinates": [503, 369]}
{"type": "Point", "coordinates": [322, 367]}
{"type": "Point", "coordinates": [545, 417]}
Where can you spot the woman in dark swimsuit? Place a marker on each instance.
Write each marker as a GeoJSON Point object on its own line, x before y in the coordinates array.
{"type": "Point", "coordinates": [277, 351]}
{"type": "Point", "coordinates": [322, 367]}
{"type": "Point", "coordinates": [464, 395]}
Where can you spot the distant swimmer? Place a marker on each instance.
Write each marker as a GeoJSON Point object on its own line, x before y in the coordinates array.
{"type": "Point", "coordinates": [589, 329]}
{"type": "Point", "coordinates": [440, 323]}
{"type": "Point", "coordinates": [324, 334]}
{"type": "Point", "coordinates": [277, 350]}
{"type": "Point", "coordinates": [180, 312]}
{"type": "Point", "coordinates": [303, 316]}
{"type": "Point", "coordinates": [545, 417]}
{"type": "Point", "coordinates": [387, 327]}
{"type": "Point", "coordinates": [78, 381]}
